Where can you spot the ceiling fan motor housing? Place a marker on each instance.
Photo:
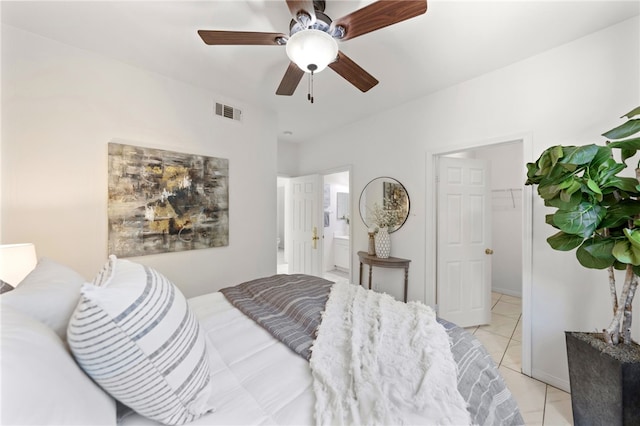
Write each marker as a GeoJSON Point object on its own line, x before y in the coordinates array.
{"type": "Point", "coordinates": [322, 23]}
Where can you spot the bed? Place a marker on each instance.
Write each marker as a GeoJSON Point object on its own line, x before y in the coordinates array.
{"type": "Point", "coordinates": [260, 365]}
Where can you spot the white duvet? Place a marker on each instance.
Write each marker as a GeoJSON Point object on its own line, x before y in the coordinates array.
{"type": "Point", "coordinates": [259, 381]}
{"type": "Point", "coordinates": [256, 379]}
{"type": "Point", "coordinates": [377, 361]}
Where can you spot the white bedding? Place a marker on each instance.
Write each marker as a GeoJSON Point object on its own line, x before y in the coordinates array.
{"type": "Point", "coordinates": [256, 379]}
{"type": "Point", "coordinates": [379, 361]}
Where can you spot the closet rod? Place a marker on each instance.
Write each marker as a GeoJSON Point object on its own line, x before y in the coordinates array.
{"type": "Point", "coordinates": [506, 190]}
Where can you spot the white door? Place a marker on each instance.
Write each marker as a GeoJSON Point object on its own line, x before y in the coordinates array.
{"type": "Point", "coordinates": [307, 225]}
{"type": "Point", "coordinates": [464, 241]}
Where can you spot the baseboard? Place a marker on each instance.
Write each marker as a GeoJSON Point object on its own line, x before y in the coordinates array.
{"type": "Point", "coordinates": [551, 380]}
{"type": "Point", "coordinates": [507, 292]}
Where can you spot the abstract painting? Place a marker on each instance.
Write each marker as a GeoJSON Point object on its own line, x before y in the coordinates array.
{"type": "Point", "coordinates": [164, 201]}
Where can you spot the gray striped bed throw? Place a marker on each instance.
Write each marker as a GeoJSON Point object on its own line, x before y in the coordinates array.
{"type": "Point", "coordinates": [290, 307]}
{"type": "Point", "coordinates": [479, 382]}
{"type": "Point", "coordinates": [287, 306]}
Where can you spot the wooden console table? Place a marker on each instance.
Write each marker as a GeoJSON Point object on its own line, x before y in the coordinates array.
{"type": "Point", "coordinates": [390, 262]}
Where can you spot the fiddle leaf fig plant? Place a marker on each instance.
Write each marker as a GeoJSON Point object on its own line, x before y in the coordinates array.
{"type": "Point", "coordinates": [597, 211]}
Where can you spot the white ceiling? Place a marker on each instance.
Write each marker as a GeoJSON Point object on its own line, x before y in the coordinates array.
{"type": "Point", "coordinates": [453, 42]}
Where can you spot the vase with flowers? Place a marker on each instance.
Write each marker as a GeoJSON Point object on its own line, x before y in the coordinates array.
{"type": "Point", "coordinates": [383, 219]}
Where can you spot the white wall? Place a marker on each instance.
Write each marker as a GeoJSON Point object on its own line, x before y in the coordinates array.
{"type": "Point", "coordinates": [60, 108]}
{"type": "Point", "coordinates": [568, 95]}
{"type": "Point", "coordinates": [288, 159]}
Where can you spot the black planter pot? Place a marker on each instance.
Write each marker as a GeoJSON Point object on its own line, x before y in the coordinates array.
{"type": "Point", "coordinates": [605, 381]}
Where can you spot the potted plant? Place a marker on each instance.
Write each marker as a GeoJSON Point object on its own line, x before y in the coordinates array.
{"type": "Point", "coordinates": [598, 214]}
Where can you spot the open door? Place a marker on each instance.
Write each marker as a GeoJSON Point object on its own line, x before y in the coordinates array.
{"type": "Point", "coordinates": [305, 256]}
{"type": "Point", "coordinates": [464, 241]}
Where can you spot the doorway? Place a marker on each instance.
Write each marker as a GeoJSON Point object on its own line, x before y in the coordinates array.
{"type": "Point", "coordinates": [334, 246]}
{"type": "Point", "coordinates": [511, 211]}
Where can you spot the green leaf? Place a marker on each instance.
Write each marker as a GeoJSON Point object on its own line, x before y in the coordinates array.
{"type": "Point", "coordinates": [559, 203]}
{"type": "Point", "coordinates": [544, 166]}
{"type": "Point", "coordinates": [603, 155]}
{"type": "Point", "coordinates": [555, 175]}
{"type": "Point", "coordinates": [624, 130]}
{"type": "Point", "coordinates": [625, 252]}
{"type": "Point", "coordinates": [625, 154]}
{"type": "Point", "coordinates": [569, 187]}
{"type": "Point", "coordinates": [619, 265]}
{"type": "Point", "coordinates": [548, 192]}
{"type": "Point", "coordinates": [555, 153]}
{"type": "Point", "coordinates": [619, 214]}
{"type": "Point", "coordinates": [564, 242]}
{"type": "Point", "coordinates": [596, 253]}
{"type": "Point", "coordinates": [532, 178]}
{"type": "Point", "coordinates": [631, 144]}
{"type": "Point", "coordinates": [579, 155]}
{"type": "Point", "coordinates": [583, 220]}
{"type": "Point", "coordinates": [633, 236]}
{"type": "Point", "coordinates": [627, 184]}
{"type": "Point", "coordinates": [548, 159]}
{"type": "Point", "coordinates": [607, 169]}
{"type": "Point", "coordinates": [595, 188]}
{"type": "Point", "coordinates": [549, 220]}
{"type": "Point", "coordinates": [632, 113]}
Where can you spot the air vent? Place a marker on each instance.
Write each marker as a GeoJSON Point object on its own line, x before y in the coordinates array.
{"type": "Point", "coordinates": [228, 112]}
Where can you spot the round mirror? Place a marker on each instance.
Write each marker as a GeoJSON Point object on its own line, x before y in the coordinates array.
{"type": "Point", "coordinates": [384, 202]}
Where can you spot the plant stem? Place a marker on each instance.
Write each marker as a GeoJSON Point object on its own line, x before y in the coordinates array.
{"type": "Point", "coordinates": [612, 289]}
{"type": "Point", "coordinates": [612, 333]}
{"type": "Point", "coordinates": [628, 314]}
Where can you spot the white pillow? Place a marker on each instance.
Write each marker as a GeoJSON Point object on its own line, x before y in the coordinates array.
{"type": "Point", "coordinates": [49, 294]}
{"type": "Point", "coordinates": [41, 383]}
{"type": "Point", "coordinates": [135, 335]}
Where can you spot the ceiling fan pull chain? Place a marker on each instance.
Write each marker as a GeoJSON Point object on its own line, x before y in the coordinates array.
{"type": "Point", "coordinates": [310, 88]}
{"type": "Point", "coordinates": [311, 77]}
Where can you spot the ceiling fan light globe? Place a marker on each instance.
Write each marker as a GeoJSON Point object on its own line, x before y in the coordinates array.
{"type": "Point", "coordinates": [312, 47]}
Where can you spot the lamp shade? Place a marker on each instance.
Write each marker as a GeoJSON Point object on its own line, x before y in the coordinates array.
{"type": "Point", "coordinates": [312, 50]}
{"type": "Point", "coordinates": [16, 261]}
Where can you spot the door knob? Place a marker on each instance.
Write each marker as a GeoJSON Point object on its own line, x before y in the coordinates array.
{"type": "Point", "coordinates": [315, 237]}
{"type": "Point", "coordinates": [488, 251]}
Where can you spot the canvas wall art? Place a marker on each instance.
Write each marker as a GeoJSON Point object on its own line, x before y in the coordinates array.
{"type": "Point", "coordinates": [164, 201]}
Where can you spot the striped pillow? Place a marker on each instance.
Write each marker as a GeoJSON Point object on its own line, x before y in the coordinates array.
{"type": "Point", "coordinates": [135, 335]}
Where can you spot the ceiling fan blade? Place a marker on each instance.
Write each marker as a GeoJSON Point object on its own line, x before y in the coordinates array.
{"type": "Point", "coordinates": [353, 73]}
{"type": "Point", "coordinates": [305, 6]}
{"type": "Point", "coordinates": [242, 37]}
{"type": "Point", "coordinates": [379, 15]}
{"type": "Point", "coordinates": [290, 81]}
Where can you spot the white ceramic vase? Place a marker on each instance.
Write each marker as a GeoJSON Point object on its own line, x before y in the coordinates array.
{"type": "Point", "coordinates": [383, 243]}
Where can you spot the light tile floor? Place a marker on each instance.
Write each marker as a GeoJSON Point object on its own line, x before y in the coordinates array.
{"type": "Point", "coordinates": [540, 404]}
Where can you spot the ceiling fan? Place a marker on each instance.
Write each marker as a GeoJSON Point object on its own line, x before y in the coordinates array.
{"type": "Point", "coordinates": [312, 41]}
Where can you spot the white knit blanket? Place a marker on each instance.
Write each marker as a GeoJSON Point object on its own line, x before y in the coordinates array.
{"type": "Point", "coordinates": [379, 361]}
